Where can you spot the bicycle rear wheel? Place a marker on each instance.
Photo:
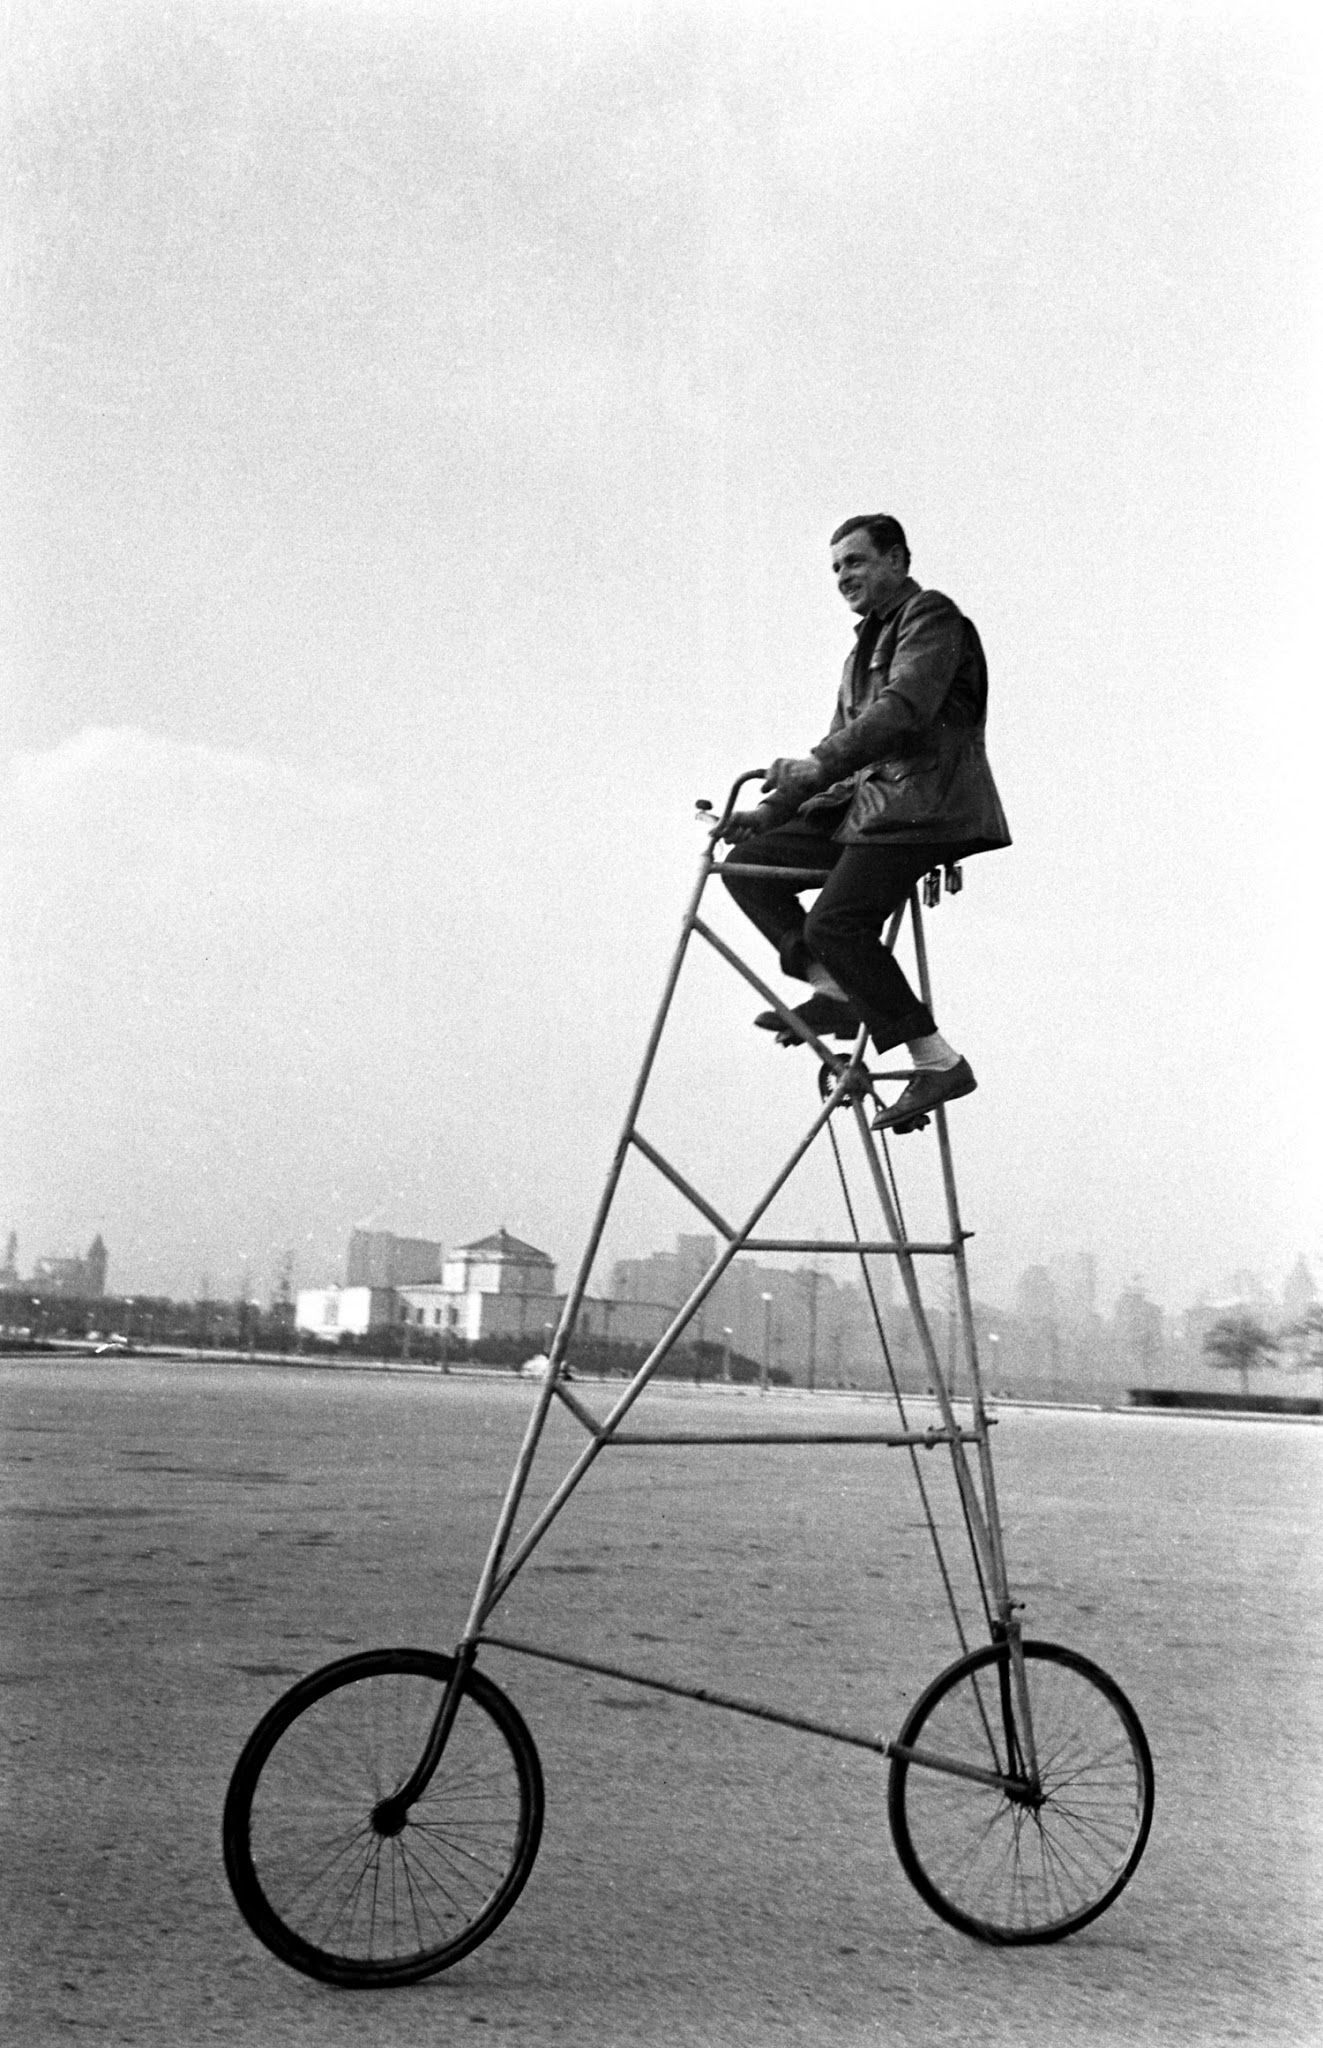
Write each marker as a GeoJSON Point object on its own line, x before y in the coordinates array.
{"type": "Point", "coordinates": [1022, 1863]}
{"type": "Point", "coordinates": [328, 1890]}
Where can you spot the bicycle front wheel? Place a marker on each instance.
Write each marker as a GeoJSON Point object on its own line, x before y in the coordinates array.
{"type": "Point", "coordinates": [1024, 1861]}
{"type": "Point", "coordinates": [339, 1897]}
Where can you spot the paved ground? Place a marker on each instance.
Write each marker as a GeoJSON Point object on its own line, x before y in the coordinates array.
{"type": "Point", "coordinates": [179, 1542]}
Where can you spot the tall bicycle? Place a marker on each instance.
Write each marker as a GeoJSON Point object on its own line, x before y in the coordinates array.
{"type": "Point", "coordinates": [385, 1814]}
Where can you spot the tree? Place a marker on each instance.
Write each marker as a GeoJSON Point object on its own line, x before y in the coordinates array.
{"type": "Point", "coordinates": [1303, 1339]}
{"type": "Point", "coordinates": [1239, 1342]}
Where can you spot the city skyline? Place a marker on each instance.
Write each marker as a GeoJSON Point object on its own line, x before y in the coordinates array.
{"type": "Point", "coordinates": [496, 1302]}
{"type": "Point", "coordinates": [1059, 1270]}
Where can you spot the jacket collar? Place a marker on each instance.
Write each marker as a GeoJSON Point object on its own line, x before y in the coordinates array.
{"type": "Point", "coordinates": [908, 589]}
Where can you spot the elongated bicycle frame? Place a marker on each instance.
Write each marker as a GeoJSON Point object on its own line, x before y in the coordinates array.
{"type": "Point", "coordinates": [847, 1086]}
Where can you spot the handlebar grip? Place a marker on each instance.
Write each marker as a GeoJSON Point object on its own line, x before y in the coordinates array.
{"type": "Point", "coordinates": [749, 775]}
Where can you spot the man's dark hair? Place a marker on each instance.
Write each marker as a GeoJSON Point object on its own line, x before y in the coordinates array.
{"type": "Point", "coordinates": [884, 532]}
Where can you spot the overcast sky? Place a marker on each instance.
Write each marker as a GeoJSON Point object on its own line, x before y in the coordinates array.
{"type": "Point", "coordinates": [424, 428]}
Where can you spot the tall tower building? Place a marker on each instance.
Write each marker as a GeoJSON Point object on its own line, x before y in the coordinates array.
{"type": "Point", "coordinates": [94, 1266]}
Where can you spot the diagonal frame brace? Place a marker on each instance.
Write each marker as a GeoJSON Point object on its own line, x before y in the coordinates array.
{"type": "Point", "coordinates": [678, 1181]}
{"type": "Point", "coordinates": [502, 1575]}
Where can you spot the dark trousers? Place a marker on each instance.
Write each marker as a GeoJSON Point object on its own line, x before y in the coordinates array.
{"type": "Point", "coordinates": [843, 928]}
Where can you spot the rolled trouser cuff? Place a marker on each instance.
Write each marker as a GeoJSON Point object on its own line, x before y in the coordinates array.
{"type": "Point", "coordinates": [888, 1031]}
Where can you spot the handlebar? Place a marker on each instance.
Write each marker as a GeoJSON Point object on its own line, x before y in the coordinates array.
{"type": "Point", "coordinates": [704, 810]}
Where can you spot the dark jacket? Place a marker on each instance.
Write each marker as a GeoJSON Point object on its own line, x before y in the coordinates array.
{"type": "Point", "coordinates": [905, 750]}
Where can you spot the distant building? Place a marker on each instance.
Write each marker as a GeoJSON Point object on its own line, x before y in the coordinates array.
{"type": "Point", "coordinates": [281, 1307]}
{"type": "Point", "coordinates": [1032, 1353]}
{"type": "Point", "coordinates": [815, 1328]}
{"type": "Point", "coordinates": [331, 1312]}
{"type": "Point", "coordinates": [1074, 1277]}
{"type": "Point", "coordinates": [1299, 1291]}
{"type": "Point", "coordinates": [498, 1286]}
{"type": "Point", "coordinates": [1138, 1336]}
{"type": "Point", "coordinates": [83, 1278]}
{"type": "Point", "coordinates": [809, 1325]}
{"type": "Point", "coordinates": [1087, 1355]}
{"type": "Point", "coordinates": [377, 1258]}
{"type": "Point", "coordinates": [499, 1264]}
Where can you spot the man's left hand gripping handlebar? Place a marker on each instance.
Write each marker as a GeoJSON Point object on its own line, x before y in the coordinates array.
{"type": "Point", "coordinates": [788, 776]}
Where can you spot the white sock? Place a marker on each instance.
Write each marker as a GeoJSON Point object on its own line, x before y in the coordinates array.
{"type": "Point", "coordinates": [933, 1053]}
{"type": "Point", "coordinates": [817, 977]}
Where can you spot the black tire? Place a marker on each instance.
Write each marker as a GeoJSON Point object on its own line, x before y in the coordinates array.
{"type": "Point", "coordinates": [327, 1890]}
{"type": "Point", "coordinates": [1008, 1867]}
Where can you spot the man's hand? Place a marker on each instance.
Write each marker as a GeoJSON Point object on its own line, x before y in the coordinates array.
{"type": "Point", "coordinates": [799, 778]}
{"type": "Point", "coordinates": [747, 824]}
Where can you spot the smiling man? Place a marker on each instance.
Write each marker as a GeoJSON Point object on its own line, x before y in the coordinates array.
{"type": "Point", "coordinates": [900, 785]}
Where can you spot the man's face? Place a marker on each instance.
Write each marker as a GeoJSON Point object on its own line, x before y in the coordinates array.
{"type": "Point", "coordinates": [866, 580]}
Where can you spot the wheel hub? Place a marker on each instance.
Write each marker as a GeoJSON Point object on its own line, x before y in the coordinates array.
{"type": "Point", "coordinates": [389, 1816]}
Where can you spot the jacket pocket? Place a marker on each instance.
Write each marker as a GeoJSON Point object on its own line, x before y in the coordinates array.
{"type": "Point", "coordinates": [900, 791]}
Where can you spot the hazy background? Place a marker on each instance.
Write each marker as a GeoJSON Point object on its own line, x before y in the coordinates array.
{"type": "Point", "coordinates": [424, 425]}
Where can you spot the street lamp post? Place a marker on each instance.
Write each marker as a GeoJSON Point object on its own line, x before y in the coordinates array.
{"type": "Point", "coordinates": [765, 1369]}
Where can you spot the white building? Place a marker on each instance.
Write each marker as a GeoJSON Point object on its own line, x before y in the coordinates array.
{"type": "Point", "coordinates": [331, 1312]}
{"type": "Point", "coordinates": [498, 1286]}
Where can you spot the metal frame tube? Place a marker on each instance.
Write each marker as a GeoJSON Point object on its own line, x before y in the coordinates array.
{"type": "Point", "coordinates": [998, 1578]}
{"type": "Point", "coordinates": [851, 1087]}
{"type": "Point", "coordinates": [909, 1280]}
{"type": "Point", "coordinates": [922, 1759]}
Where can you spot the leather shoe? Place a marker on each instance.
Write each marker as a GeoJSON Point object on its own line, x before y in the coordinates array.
{"type": "Point", "coordinates": [929, 1087]}
{"type": "Point", "coordinates": [826, 1015]}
